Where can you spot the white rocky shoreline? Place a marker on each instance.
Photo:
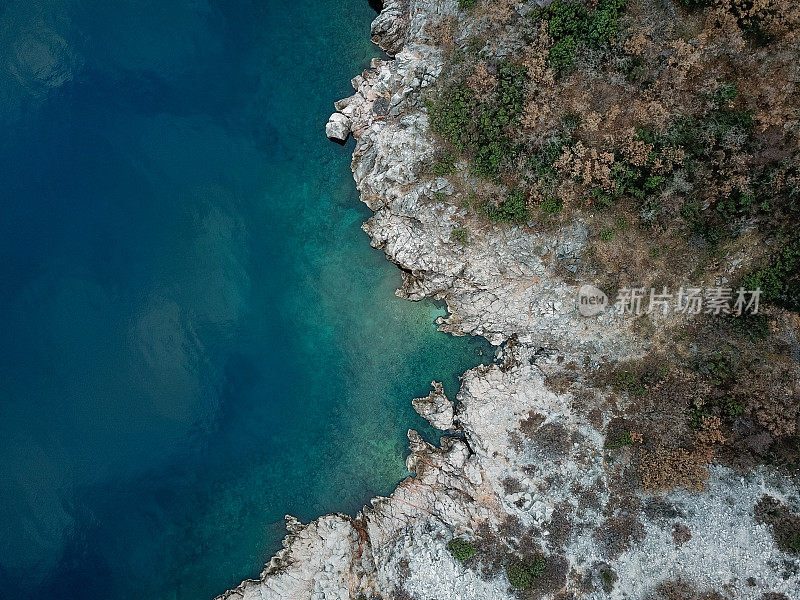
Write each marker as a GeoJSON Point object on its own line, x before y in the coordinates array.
{"type": "Point", "coordinates": [526, 465]}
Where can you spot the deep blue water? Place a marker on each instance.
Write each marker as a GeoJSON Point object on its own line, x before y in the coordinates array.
{"type": "Point", "coordinates": [196, 336]}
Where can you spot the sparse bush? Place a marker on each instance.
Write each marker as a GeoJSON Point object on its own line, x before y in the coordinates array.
{"type": "Point", "coordinates": [785, 524]}
{"type": "Point", "coordinates": [680, 590]}
{"type": "Point", "coordinates": [695, 3]}
{"type": "Point", "coordinates": [664, 469]}
{"type": "Point", "coordinates": [460, 235]}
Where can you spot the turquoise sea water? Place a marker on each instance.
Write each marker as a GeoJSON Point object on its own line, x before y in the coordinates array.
{"type": "Point", "coordinates": [196, 336]}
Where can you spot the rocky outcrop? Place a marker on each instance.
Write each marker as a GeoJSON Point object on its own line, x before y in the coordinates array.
{"type": "Point", "coordinates": [390, 27]}
{"type": "Point", "coordinates": [318, 561]}
{"type": "Point", "coordinates": [504, 284]}
{"type": "Point", "coordinates": [528, 471]}
{"type": "Point", "coordinates": [435, 408]}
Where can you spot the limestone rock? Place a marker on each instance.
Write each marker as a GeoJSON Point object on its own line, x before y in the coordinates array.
{"type": "Point", "coordinates": [389, 28]}
{"type": "Point", "coordinates": [435, 408]}
{"type": "Point", "coordinates": [338, 127]}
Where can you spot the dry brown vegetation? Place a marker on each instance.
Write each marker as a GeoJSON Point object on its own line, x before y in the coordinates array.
{"type": "Point", "coordinates": [680, 590]}
{"type": "Point", "coordinates": [731, 67]}
{"type": "Point", "coordinates": [677, 140]}
{"type": "Point", "coordinates": [721, 392]}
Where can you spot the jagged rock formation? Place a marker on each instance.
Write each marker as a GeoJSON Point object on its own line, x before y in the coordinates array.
{"type": "Point", "coordinates": [435, 408]}
{"type": "Point", "coordinates": [389, 28]}
{"type": "Point", "coordinates": [528, 472]}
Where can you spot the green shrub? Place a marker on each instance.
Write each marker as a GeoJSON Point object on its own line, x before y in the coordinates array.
{"type": "Point", "coordinates": [607, 235]}
{"type": "Point", "coordinates": [780, 281]}
{"type": "Point", "coordinates": [478, 129]}
{"type": "Point", "coordinates": [633, 68]}
{"type": "Point", "coordinates": [636, 382]}
{"type": "Point", "coordinates": [460, 235]}
{"type": "Point", "coordinates": [725, 93]}
{"type": "Point", "coordinates": [696, 417]}
{"type": "Point", "coordinates": [451, 115]}
{"type": "Point", "coordinates": [737, 205]}
{"type": "Point", "coordinates": [541, 161]}
{"type": "Point", "coordinates": [511, 81]}
{"type": "Point", "coordinates": [601, 199]}
{"type": "Point", "coordinates": [716, 367]}
{"type": "Point", "coordinates": [445, 166]}
{"type": "Point", "coordinates": [570, 122]}
{"type": "Point", "coordinates": [608, 578]}
{"type": "Point", "coordinates": [702, 136]}
{"type": "Point", "coordinates": [725, 408]}
{"type": "Point", "coordinates": [636, 181]}
{"type": "Point", "coordinates": [460, 549]}
{"type": "Point", "coordinates": [793, 543]}
{"type": "Point", "coordinates": [571, 24]}
{"type": "Point", "coordinates": [756, 327]}
{"type": "Point", "coordinates": [551, 205]}
{"type": "Point", "coordinates": [465, 4]}
{"type": "Point", "coordinates": [640, 182]}
{"type": "Point", "coordinates": [731, 407]}
{"type": "Point", "coordinates": [513, 210]}
{"type": "Point", "coordinates": [522, 574]}
{"type": "Point", "coordinates": [620, 441]}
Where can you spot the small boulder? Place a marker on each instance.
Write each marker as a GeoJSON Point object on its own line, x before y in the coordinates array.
{"type": "Point", "coordinates": [338, 127]}
{"type": "Point", "coordinates": [380, 106]}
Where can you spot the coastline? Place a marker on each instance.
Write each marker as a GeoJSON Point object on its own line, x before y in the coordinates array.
{"type": "Point", "coordinates": [527, 468]}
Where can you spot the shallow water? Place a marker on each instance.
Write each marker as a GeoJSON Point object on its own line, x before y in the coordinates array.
{"type": "Point", "coordinates": [198, 338]}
